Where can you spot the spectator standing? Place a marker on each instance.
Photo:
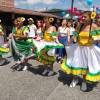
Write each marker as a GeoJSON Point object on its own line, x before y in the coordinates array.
{"type": "Point", "coordinates": [72, 29]}
{"type": "Point", "coordinates": [63, 37]}
{"type": "Point", "coordinates": [57, 24]}
{"type": "Point", "coordinates": [32, 29]}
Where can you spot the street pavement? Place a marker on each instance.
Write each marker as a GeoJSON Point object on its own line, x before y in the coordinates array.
{"type": "Point", "coordinates": [31, 85]}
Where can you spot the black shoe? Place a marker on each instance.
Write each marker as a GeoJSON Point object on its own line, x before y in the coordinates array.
{"type": "Point", "coordinates": [58, 59]}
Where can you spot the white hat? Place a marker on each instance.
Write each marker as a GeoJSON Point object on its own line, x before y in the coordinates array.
{"type": "Point", "coordinates": [30, 19]}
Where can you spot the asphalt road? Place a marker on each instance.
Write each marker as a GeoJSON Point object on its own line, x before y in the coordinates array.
{"type": "Point", "coordinates": [31, 85]}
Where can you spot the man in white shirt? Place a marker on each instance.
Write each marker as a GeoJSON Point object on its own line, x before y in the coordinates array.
{"type": "Point", "coordinates": [32, 28]}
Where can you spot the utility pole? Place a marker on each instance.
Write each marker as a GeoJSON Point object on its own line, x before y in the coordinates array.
{"type": "Point", "coordinates": [93, 8]}
{"type": "Point", "coordinates": [72, 8]}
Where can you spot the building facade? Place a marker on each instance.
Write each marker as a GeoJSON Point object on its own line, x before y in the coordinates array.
{"type": "Point", "coordinates": [8, 13]}
{"type": "Point", "coordinates": [7, 3]}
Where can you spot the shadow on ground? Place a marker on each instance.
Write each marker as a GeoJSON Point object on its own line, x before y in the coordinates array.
{"type": "Point", "coordinates": [67, 79]}
{"type": "Point", "coordinates": [38, 70]}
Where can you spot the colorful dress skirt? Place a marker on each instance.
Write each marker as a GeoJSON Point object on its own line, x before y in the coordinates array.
{"type": "Point", "coordinates": [3, 51]}
{"type": "Point", "coordinates": [45, 49]}
{"type": "Point", "coordinates": [83, 58]}
{"type": "Point", "coordinates": [20, 49]}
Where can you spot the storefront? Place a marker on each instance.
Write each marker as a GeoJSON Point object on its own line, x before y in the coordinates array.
{"type": "Point", "coordinates": [8, 14]}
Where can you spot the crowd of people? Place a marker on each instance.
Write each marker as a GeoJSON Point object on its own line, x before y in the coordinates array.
{"type": "Point", "coordinates": [73, 44]}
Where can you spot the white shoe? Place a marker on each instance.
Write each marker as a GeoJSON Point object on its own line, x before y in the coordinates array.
{"type": "Point", "coordinates": [19, 67]}
{"type": "Point", "coordinates": [25, 68]}
{"type": "Point", "coordinates": [50, 73]}
{"type": "Point", "coordinates": [73, 83]}
{"type": "Point", "coordinates": [18, 62]}
{"type": "Point", "coordinates": [84, 86]}
{"type": "Point", "coordinates": [45, 72]}
{"type": "Point", "coordinates": [60, 62]}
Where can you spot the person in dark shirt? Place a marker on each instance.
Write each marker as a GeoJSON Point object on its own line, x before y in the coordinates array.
{"type": "Point", "coordinates": [57, 24]}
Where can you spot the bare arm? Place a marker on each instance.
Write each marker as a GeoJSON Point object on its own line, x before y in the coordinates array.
{"type": "Point", "coordinates": [98, 41]}
{"type": "Point", "coordinates": [35, 31]}
{"type": "Point", "coordinates": [71, 41]}
{"type": "Point", "coordinates": [1, 33]}
{"type": "Point", "coordinates": [24, 36]}
{"type": "Point", "coordinates": [68, 34]}
{"type": "Point", "coordinates": [21, 37]}
{"type": "Point", "coordinates": [59, 31]}
{"type": "Point", "coordinates": [56, 39]}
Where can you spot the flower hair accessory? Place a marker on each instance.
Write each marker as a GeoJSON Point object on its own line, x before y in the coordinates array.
{"type": "Point", "coordinates": [93, 15]}
{"type": "Point", "coordinates": [51, 19]}
{"type": "Point", "coordinates": [22, 19]}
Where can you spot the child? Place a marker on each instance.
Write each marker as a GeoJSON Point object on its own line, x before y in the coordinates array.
{"type": "Point", "coordinates": [84, 57]}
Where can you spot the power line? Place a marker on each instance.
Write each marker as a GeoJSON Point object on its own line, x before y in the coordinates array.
{"type": "Point", "coordinates": [83, 3]}
{"type": "Point", "coordinates": [72, 8]}
{"type": "Point", "coordinates": [86, 4]}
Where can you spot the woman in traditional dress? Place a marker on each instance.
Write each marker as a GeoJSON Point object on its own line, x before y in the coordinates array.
{"type": "Point", "coordinates": [20, 47]}
{"type": "Point", "coordinates": [45, 47]}
{"type": "Point", "coordinates": [84, 57]}
{"type": "Point", "coordinates": [3, 51]}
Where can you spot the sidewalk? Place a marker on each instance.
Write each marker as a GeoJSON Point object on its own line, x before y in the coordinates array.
{"type": "Point", "coordinates": [31, 85]}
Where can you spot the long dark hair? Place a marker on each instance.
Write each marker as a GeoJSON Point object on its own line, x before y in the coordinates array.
{"type": "Point", "coordinates": [37, 22]}
{"type": "Point", "coordinates": [66, 23]}
{"type": "Point", "coordinates": [44, 28]}
{"type": "Point", "coordinates": [89, 14]}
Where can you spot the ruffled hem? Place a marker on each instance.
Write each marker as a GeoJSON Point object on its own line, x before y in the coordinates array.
{"type": "Point", "coordinates": [23, 47]}
{"type": "Point", "coordinates": [44, 57]}
{"type": "Point", "coordinates": [96, 32]}
{"type": "Point", "coordinates": [80, 71]}
{"type": "Point", "coordinates": [33, 46]}
{"type": "Point", "coordinates": [54, 34]}
{"type": "Point", "coordinates": [93, 78]}
{"type": "Point", "coordinates": [4, 50]}
{"type": "Point", "coordinates": [73, 70]}
{"type": "Point", "coordinates": [93, 34]}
